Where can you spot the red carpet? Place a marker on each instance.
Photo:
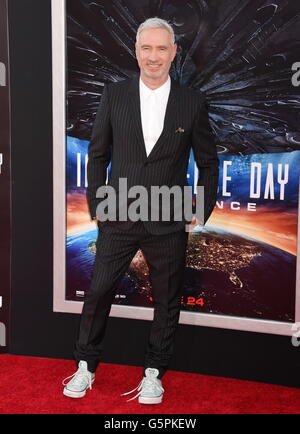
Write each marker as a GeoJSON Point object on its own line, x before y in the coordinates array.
{"type": "Point", "coordinates": [31, 385]}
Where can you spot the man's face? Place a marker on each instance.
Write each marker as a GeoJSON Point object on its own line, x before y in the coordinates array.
{"type": "Point", "coordinates": [155, 52]}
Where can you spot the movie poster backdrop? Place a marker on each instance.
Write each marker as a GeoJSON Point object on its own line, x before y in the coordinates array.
{"type": "Point", "coordinates": [243, 56]}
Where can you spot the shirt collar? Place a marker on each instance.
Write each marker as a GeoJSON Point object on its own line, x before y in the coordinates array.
{"type": "Point", "coordinates": [145, 91]}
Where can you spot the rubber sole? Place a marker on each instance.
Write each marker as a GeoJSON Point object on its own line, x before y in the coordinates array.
{"type": "Point", "coordinates": [148, 400]}
{"type": "Point", "coordinates": [75, 395]}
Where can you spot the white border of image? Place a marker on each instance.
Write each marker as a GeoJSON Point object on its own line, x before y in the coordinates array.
{"type": "Point", "coordinates": [60, 304]}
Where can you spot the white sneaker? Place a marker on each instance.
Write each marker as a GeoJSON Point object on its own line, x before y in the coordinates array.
{"type": "Point", "coordinates": [81, 381]}
{"type": "Point", "coordinates": [150, 390]}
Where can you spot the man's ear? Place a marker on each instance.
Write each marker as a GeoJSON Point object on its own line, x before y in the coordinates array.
{"type": "Point", "coordinates": [175, 51]}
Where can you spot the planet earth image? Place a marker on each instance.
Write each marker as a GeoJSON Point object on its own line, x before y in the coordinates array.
{"type": "Point", "coordinates": [226, 274]}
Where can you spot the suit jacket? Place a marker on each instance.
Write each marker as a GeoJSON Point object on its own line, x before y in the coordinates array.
{"type": "Point", "coordinates": [117, 137]}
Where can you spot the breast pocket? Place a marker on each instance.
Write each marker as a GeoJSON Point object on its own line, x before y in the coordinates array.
{"type": "Point", "coordinates": [184, 137]}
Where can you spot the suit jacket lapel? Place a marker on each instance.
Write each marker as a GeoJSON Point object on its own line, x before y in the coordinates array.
{"type": "Point", "coordinates": [135, 107]}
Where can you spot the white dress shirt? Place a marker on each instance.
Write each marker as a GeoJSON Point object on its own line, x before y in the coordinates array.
{"type": "Point", "coordinates": [153, 110]}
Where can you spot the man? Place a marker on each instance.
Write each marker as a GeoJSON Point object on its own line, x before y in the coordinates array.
{"type": "Point", "coordinates": [145, 127]}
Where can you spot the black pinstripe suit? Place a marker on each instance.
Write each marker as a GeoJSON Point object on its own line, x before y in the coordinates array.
{"type": "Point", "coordinates": [118, 138]}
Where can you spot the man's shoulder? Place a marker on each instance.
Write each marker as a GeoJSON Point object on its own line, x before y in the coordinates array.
{"type": "Point", "coordinates": [119, 86]}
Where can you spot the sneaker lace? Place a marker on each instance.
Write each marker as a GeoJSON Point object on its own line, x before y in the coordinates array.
{"type": "Point", "coordinates": [79, 377]}
{"type": "Point", "coordinates": [146, 385]}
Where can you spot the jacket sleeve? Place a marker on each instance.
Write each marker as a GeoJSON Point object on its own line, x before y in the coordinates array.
{"type": "Point", "coordinates": [99, 153]}
{"type": "Point", "coordinates": [204, 144]}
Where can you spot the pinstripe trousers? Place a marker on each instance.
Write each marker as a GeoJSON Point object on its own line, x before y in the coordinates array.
{"type": "Point", "coordinates": [165, 256]}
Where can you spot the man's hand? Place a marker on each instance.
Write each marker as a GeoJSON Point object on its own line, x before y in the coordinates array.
{"type": "Point", "coordinates": [194, 222]}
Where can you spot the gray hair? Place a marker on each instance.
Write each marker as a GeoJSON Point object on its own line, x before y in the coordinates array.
{"type": "Point", "coordinates": [155, 23]}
